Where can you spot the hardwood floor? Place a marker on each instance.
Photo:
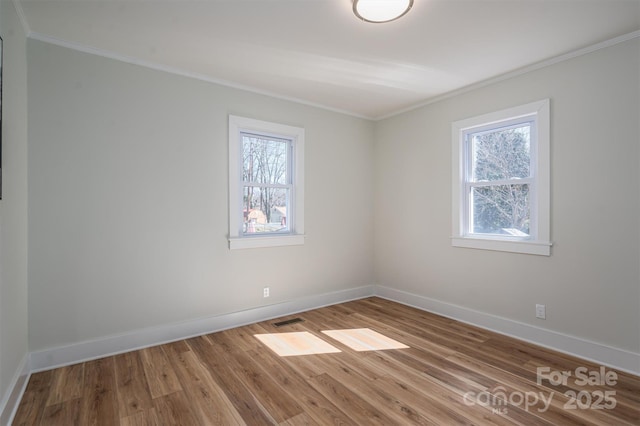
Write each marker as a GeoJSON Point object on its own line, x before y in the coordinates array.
{"type": "Point", "coordinates": [452, 373]}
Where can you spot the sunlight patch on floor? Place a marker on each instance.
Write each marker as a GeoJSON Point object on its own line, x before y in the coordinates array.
{"type": "Point", "coordinates": [364, 339]}
{"type": "Point", "coordinates": [305, 343]}
{"type": "Point", "coordinates": [296, 343]}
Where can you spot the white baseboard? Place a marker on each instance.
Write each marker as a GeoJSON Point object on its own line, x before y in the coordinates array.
{"type": "Point", "coordinates": [10, 401]}
{"type": "Point", "coordinates": [612, 357]}
{"type": "Point", "coordinates": [99, 348]}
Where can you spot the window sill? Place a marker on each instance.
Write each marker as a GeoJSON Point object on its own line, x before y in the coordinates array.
{"type": "Point", "coordinates": [236, 243]}
{"type": "Point", "coordinates": [539, 248]}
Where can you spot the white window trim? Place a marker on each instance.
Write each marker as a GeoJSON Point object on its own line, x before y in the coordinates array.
{"type": "Point", "coordinates": [540, 243]}
{"type": "Point", "coordinates": [236, 238]}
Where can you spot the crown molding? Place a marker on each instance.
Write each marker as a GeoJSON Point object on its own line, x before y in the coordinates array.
{"type": "Point", "coordinates": [183, 73]}
{"type": "Point", "coordinates": [515, 73]}
{"type": "Point", "coordinates": [202, 77]}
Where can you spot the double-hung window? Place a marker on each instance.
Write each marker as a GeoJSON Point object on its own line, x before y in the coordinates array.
{"type": "Point", "coordinates": [501, 180]}
{"type": "Point", "coordinates": [266, 182]}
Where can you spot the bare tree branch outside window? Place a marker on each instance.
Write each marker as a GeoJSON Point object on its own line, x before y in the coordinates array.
{"type": "Point", "coordinates": [267, 183]}
{"type": "Point", "coordinates": [500, 202]}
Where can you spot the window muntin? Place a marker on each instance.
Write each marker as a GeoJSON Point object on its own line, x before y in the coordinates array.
{"type": "Point", "coordinates": [501, 180]}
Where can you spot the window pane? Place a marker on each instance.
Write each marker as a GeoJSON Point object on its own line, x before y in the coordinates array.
{"type": "Point", "coordinates": [264, 160]}
{"type": "Point", "coordinates": [265, 210]}
{"type": "Point", "coordinates": [501, 209]}
{"type": "Point", "coordinates": [501, 154]}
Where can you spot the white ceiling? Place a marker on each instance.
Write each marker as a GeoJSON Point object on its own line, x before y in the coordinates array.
{"type": "Point", "coordinates": [318, 52]}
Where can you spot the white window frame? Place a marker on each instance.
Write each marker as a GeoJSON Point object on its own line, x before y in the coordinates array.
{"type": "Point", "coordinates": [538, 242]}
{"type": "Point", "coordinates": [295, 219]}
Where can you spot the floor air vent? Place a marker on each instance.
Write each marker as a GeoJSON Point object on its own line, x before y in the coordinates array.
{"type": "Point", "coordinates": [287, 322]}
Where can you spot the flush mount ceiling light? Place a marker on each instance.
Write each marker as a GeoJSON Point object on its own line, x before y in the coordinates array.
{"type": "Point", "coordinates": [379, 11]}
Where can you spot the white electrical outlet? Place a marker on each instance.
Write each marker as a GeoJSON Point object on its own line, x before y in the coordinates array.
{"type": "Point", "coordinates": [265, 292]}
{"type": "Point", "coordinates": [541, 311]}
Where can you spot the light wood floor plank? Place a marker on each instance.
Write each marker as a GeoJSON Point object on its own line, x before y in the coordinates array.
{"type": "Point", "coordinates": [132, 389]}
{"type": "Point", "coordinates": [34, 399]}
{"type": "Point", "coordinates": [161, 378]}
{"type": "Point", "coordinates": [208, 400]}
{"type": "Point", "coordinates": [66, 384]}
{"type": "Point", "coordinates": [145, 417]}
{"type": "Point", "coordinates": [265, 390]}
{"type": "Point", "coordinates": [99, 401]}
{"type": "Point", "coordinates": [215, 358]}
{"type": "Point", "coordinates": [62, 414]}
{"type": "Point", "coordinates": [452, 373]}
{"type": "Point", "coordinates": [318, 408]}
{"type": "Point", "coordinates": [174, 409]}
{"type": "Point", "coordinates": [343, 397]}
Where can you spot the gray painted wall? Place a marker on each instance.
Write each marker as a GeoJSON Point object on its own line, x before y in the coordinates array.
{"type": "Point", "coordinates": [128, 189]}
{"type": "Point", "coordinates": [591, 283]}
{"type": "Point", "coordinates": [13, 206]}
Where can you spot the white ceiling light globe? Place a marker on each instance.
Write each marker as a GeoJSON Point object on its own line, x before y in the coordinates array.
{"type": "Point", "coordinates": [381, 10]}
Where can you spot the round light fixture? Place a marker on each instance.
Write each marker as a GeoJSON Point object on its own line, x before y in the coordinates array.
{"type": "Point", "coordinates": [379, 11]}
